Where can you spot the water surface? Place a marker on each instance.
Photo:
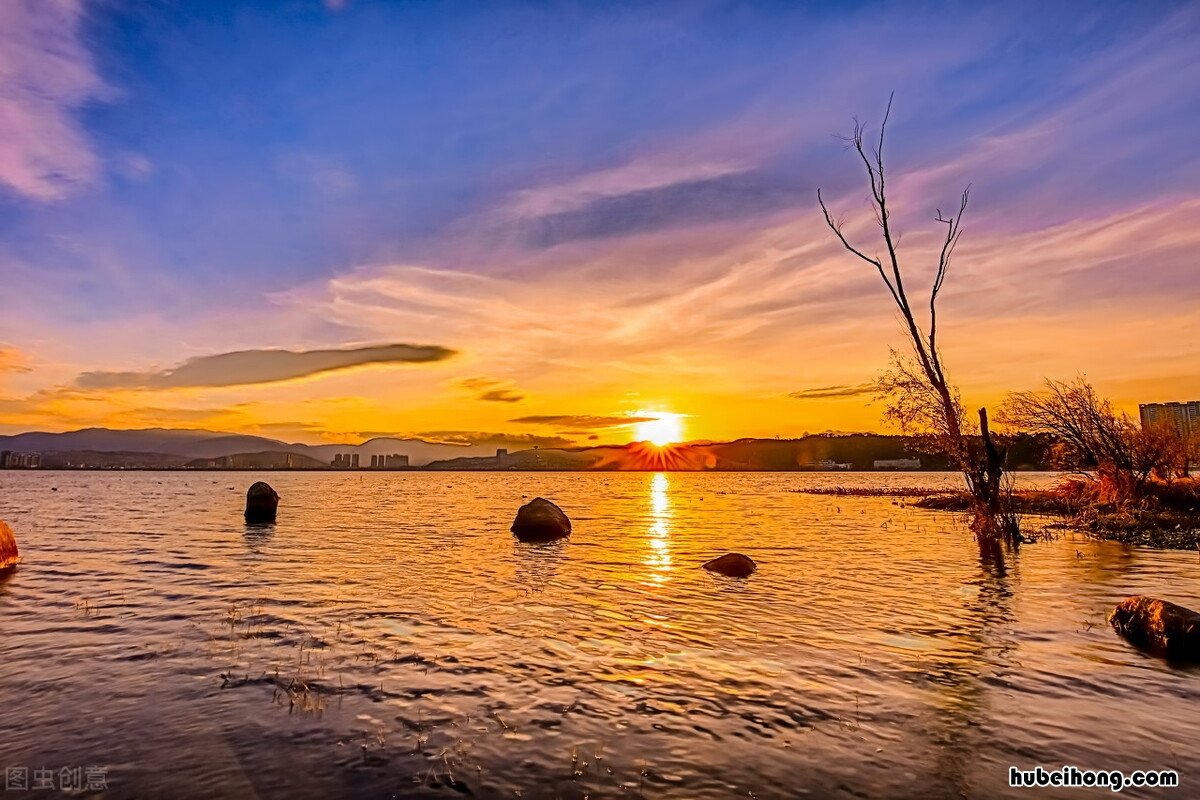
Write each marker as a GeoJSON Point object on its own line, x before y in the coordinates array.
{"type": "Point", "coordinates": [388, 637]}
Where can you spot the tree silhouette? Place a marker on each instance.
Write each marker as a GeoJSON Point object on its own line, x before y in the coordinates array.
{"type": "Point", "coordinates": [920, 396]}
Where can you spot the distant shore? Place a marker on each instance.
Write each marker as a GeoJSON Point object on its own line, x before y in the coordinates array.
{"type": "Point", "coordinates": [431, 469]}
{"type": "Point", "coordinates": [205, 450]}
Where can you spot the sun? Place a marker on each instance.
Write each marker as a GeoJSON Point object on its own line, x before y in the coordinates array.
{"type": "Point", "coordinates": [666, 428]}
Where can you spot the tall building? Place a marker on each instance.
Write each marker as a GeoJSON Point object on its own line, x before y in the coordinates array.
{"type": "Point", "coordinates": [375, 462]}
{"type": "Point", "coordinates": [1185, 416]}
{"type": "Point", "coordinates": [11, 460]}
{"type": "Point", "coordinates": [354, 461]}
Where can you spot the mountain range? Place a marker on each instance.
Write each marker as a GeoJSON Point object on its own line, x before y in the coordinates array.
{"type": "Point", "coordinates": [193, 444]}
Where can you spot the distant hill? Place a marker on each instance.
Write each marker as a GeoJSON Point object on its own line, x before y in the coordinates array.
{"type": "Point", "coordinates": [548, 459]}
{"type": "Point", "coordinates": [198, 444]}
{"type": "Point", "coordinates": [165, 448]}
{"type": "Point", "coordinates": [269, 459]}
{"type": "Point", "coordinates": [860, 451]}
{"type": "Point", "coordinates": [230, 444]}
{"type": "Point", "coordinates": [149, 440]}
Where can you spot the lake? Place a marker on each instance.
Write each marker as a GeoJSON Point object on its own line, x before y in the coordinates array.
{"type": "Point", "coordinates": [388, 637]}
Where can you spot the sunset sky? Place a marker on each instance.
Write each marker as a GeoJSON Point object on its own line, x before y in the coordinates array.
{"type": "Point", "coordinates": [542, 220]}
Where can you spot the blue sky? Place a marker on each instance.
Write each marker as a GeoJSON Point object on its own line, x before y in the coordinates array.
{"type": "Point", "coordinates": [237, 176]}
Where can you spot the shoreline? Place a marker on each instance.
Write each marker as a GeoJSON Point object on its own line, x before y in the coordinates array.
{"type": "Point", "coordinates": [1159, 528]}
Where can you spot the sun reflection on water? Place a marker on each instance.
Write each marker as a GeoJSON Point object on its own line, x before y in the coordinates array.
{"type": "Point", "coordinates": [659, 556]}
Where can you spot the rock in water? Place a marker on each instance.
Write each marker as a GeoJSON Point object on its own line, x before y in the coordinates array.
{"type": "Point", "coordinates": [261, 503]}
{"type": "Point", "coordinates": [8, 547]}
{"type": "Point", "coordinates": [539, 520]}
{"type": "Point", "coordinates": [732, 565]}
{"type": "Point", "coordinates": [1158, 625]}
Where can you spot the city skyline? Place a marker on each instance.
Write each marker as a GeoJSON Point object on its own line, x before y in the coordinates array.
{"type": "Point", "coordinates": [324, 222]}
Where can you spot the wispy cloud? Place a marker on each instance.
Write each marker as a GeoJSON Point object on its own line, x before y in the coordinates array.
{"type": "Point", "coordinates": [828, 392]}
{"type": "Point", "coordinates": [709, 200]}
{"type": "Point", "coordinates": [583, 421]}
{"type": "Point", "coordinates": [490, 390]}
{"type": "Point", "coordinates": [476, 384]}
{"type": "Point", "coordinates": [501, 396]}
{"type": "Point", "coordinates": [627, 179]}
{"type": "Point", "coordinates": [494, 439]}
{"type": "Point", "coordinates": [46, 76]}
{"type": "Point", "coordinates": [12, 360]}
{"type": "Point", "coordinates": [262, 366]}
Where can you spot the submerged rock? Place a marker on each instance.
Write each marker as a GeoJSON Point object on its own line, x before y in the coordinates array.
{"type": "Point", "coordinates": [261, 503]}
{"type": "Point", "coordinates": [8, 547]}
{"type": "Point", "coordinates": [539, 520]}
{"type": "Point", "coordinates": [732, 565]}
{"type": "Point", "coordinates": [1158, 625]}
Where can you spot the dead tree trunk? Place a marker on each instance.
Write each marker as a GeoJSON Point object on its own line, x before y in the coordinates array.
{"type": "Point", "coordinates": [997, 505]}
{"type": "Point", "coordinates": [922, 395]}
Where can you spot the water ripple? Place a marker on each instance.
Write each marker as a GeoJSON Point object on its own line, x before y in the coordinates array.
{"type": "Point", "coordinates": [387, 636]}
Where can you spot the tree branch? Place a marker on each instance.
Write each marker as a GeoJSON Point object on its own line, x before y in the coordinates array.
{"type": "Point", "coordinates": [953, 232]}
{"type": "Point", "coordinates": [837, 231]}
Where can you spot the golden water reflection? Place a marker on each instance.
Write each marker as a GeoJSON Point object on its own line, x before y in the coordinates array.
{"type": "Point", "coordinates": [658, 556]}
{"type": "Point", "coordinates": [872, 654]}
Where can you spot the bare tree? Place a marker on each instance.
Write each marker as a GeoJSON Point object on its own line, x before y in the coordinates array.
{"type": "Point", "coordinates": [1121, 455]}
{"type": "Point", "coordinates": [1085, 426]}
{"type": "Point", "coordinates": [921, 396]}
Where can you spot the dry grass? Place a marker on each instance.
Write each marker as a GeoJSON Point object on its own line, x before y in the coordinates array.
{"type": "Point", "coordinates": [871, 491]}
{"type": "Point", "coordinates": [1167, 516]}
{"type": "Point", "coordinates": [1029, 501]}
{"type": "Point", "coordinates": [1179, 495]}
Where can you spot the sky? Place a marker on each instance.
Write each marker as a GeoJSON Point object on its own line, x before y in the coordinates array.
{"type": "Point", "coordinates": [546, 223]}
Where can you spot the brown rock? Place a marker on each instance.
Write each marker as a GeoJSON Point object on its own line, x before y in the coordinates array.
{"type": "Point", "coordinates": [539, 520]}
{"type": "Point", "coordinates": [1158, 625]}
{"type": "Point", "coordinates": [8, 547]}
{"type": "Point", "coordinates": [261, 503]}
{"type": "Point", "coordinates": [732, 565]}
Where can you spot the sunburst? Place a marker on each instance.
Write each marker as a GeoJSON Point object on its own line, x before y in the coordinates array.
{"type": "Point", "coordinates": [663, 429]}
